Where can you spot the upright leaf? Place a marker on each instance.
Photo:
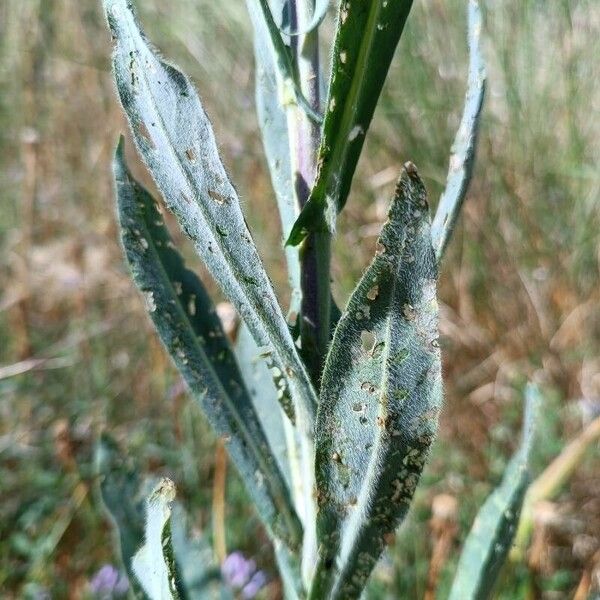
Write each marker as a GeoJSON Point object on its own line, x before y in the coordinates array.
{"type": "Point", "coordinates": [154, 563]}
{"type": "Point", "coordinates": [462, 157]}
{"type": "Point", "coordinates": [380, 398]}
{"type": "Point", "coordinates": [273, 122]}
{"type": "Point", "coordinates": [494, 528]}
{"type": "Point", "coordinates": [175, 139]}
{"type": "Point", "coordinates": [283, 58]}
{"type": "Point", "coordinates": [367, 35]}
{"type": "Point", "coordinates": [319, 12]}
{"type": "Point", "coordinates": [189, 327]}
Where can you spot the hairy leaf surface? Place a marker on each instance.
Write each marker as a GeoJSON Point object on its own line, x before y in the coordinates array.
{"type": "Point", "coordinates": [273, 122]}
{"type": "Point", "coordinates": [367, 35]}
{"type": "Point", "coordinates": [175, 139]}
{"type": "Point", "coordinates": [494, 528]}
{"type": "Point", "coordinates": [462, 158]}
{"type": "Point", "coordinates": [154, 563]}
{"type": "Point", "coordinates": [380, 398]}
{"type": "Point", "coordinates": [283, 58]}
{"type": "Point", "coordinates": [190, 329]}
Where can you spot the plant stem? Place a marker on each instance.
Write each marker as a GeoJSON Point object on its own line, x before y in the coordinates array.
{"type": "Point", "coordinates": [315, 254]}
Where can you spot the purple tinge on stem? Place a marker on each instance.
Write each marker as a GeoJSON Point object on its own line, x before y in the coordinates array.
{"type": "Point", "coordinates": [109, 583]}
{"type": "Point", "coordinates": [240, 573]}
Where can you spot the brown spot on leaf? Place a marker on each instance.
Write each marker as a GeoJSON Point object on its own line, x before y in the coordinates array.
{"type": "Point", "coordinates": [144, 133]}
{"type": "Point", "coordinates": [218, 198]}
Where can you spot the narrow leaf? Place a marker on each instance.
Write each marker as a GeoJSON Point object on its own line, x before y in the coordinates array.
{"type": "Point", "coordinates": [380, 398]}
{"type": "Point", "coordinates": [175, 139]}
{"type": "Point", "coordinates": [190, 329]}
{"type": "Point", "coordinates": [273, 122]}
{"type": "Point", "coordinates": [494, 528]}
{"type": "Point", "coordinates": [462, 158]}
{"type": "Point", "coordinates": [319, 12]}
{"type": "Point", "coordinates": [283, 58]}
{"type": "Point", "coordinates": [154, 563]}
{"type": "Point", "coordinates": [367, 35]}
{"type": "Point", "coordinates": [122, 495]}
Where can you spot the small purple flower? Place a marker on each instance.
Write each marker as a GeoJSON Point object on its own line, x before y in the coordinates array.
{"type": "Point", "coordinates": [240, 573]}
{"type": "Point", "coordinates": [256, 583]}
{"type": "Point", "coordinates": [108, 584]}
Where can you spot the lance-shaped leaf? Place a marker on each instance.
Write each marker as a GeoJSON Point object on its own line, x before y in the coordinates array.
{"type": "Point", "coordinates": [462, 158]}
{"type": "Point", "coordinates": [367, 35]}
{"type": "Point", "coordinates": [154, 562]}
{"type": "Point", "coordinates": [189, 327]}
{"type": "Point", "coordinates": [122, 494]}
{"type": "Point", "coordinates": [494, 527]}
{"type": "Point", "coordinates": [380, 398]}
{"type": "Point", "coordinates": [273, 122]}
{"type": "Point", "coordinates": [176, 141]}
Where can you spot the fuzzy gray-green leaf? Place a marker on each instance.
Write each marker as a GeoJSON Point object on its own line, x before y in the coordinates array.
{"type": "Point", "coordinates": [190, 329]}
{"type": "Point", "coordinates": [494, 528]}
{"type": "Point", "coordinates": [154, 563]}
{"type": "Point", "coordinates": [283, 58]}
{"type": "Point", "coordinates": [462, 158]}
{"type": "Point", "coordinates": [380, 398]}
{"type": "Point", "coordinates": [176, 141]}
{"type": "Point", "coordinates": [273, 122]}
{"type": "Point", "coordinates": [367, 35]}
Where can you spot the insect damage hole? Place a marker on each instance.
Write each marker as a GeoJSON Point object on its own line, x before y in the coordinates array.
{"type": "Point", "coordinates": [368, 340]}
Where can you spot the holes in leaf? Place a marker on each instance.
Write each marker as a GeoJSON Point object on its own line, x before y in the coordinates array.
{"type": "Point", "coordinates": [368, 340]}
{"type": "Point", "coordinates": [373, 292]}
{"type": "Point", "coordinates": [409, 312]}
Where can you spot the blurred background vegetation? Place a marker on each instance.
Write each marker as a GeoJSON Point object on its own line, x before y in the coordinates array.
{"type": "Point", "coordinates": [519, 293]}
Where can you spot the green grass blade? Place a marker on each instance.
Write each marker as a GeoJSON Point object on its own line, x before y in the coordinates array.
{"type": "Point", "coordinates": [273, 122]}
{"type": "Point", "coordinates": [176, 141]}
{"type": "Point", "coordinates": [367, 35]}
{"type": "Point", "coordinates": [462, 158]}
{"type": "Point", "coordinates": [490, 539]}
{"type": "Point", "coordinates": [122, 496]}
{"type": "Point", "coordinates": [154, 563]}
{"type": "Point", "coordinates": [380, 398]}
{"type": "Point", "coordinates": [190, 329]}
